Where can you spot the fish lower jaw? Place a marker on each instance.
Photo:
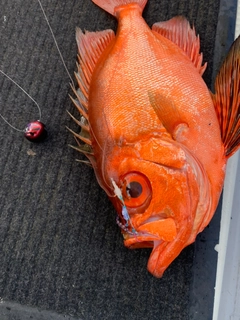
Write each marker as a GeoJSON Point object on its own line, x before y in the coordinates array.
{"type": "Point", "coordinates": [141, 240]}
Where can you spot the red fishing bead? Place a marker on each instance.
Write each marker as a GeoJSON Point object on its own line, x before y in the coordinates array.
{"type": "Point", "coordinates": [35, 131]}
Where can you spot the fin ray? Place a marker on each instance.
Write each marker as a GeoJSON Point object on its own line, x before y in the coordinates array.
{"type": "Point", "coordinates": [167, 113]}
{"type": "Point", "coordinates": [179, 31]}
{"type": "Point", "coordinates": [227, 99]}
{"type": "Point", "coordinates": [81, 124]}
{"type": "Point", "coordinates": [91, 46]}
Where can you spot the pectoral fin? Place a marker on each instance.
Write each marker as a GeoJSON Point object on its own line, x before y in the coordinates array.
{"type": "Point", "coordinates": [168, 114]}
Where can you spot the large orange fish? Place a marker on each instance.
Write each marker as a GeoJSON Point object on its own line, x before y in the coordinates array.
{"type": "Point", "coordinates": [157, 139]}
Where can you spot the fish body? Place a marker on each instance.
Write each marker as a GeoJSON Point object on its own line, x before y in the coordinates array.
{"type": "Point", "coordinates": [151, 129]}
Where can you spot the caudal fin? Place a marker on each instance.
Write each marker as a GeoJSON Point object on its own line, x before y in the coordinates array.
{"type": "Point", "coordinates": [110, 5]}
{"type": "Point", "coordinates": [227, 99]}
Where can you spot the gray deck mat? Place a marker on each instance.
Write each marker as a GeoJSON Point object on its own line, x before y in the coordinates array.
{"type": "Point", "coordinates": [60, 248]}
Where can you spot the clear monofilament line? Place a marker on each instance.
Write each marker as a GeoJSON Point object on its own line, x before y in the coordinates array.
{"type": "Point", "coordinates": [39, 109]}
{"type": "Point", "coordinates": [10, 125]}
{"type": "Point", "coordinates": [54, 39]}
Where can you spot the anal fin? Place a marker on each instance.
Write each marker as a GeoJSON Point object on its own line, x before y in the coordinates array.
{"type": "Point", "coordinates": [179, 31]}
{"type": "Point", "coordinates": [227, 99]}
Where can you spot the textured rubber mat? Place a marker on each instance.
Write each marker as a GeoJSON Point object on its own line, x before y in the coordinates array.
{"type": "Point", "coordinates": [60, 247]}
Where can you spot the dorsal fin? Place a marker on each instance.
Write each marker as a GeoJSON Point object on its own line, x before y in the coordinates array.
{"type": "Point", "coordinates": [91, 46]}
{"type": "Point", "coordinates": [227, 99]}
{"type": "Point", "coordinates": [178, 30]}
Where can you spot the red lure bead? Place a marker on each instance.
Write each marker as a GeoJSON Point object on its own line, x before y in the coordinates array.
{"type": "Point", "coordinates": [35, 131]}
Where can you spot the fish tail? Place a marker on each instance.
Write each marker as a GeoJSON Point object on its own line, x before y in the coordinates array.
{"type": "Point", "coordinates": [110, 5]}
{"type": "Point", "coordinates": [227, 99]}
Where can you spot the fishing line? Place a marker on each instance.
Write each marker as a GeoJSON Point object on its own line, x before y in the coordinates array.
{"type": "Point", "coordinates": [55, 41]}
{"type": "Point", "coordinates": [125, 214]}
{"type": "Point", "coordinates": [35, 131]}
{"type": "Point", "coordinates": [39, 109]}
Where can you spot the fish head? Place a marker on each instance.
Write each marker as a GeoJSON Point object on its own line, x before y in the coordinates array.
{"type": "Point", "coordinates": [155, 192]}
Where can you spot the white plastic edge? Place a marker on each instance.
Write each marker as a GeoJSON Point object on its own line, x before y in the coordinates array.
{"type": "Point", "coordinates": [227, 287]}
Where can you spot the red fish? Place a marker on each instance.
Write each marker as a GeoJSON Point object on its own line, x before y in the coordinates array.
{"type": "Point", "coordinates": [157, 139]}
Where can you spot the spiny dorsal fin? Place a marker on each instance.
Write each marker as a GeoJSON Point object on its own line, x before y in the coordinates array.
{"type": "Point", "coordinates": [227, 99]}
{"type": "Point", "coordinates": [178, 30]}
{"type": "Point", "coordinates": [91, 46]}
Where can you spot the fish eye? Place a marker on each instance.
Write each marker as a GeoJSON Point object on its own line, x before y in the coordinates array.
{"type": "Point", "coordinates": [136, 189]}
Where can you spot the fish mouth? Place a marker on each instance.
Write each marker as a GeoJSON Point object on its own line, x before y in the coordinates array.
{"type": "Point", "coordinates": [151, 232]}
{"type": "Point", "coordinates": [157, 232]}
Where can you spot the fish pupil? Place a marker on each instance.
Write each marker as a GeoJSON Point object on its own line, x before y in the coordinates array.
{"type": "Point", "coordinates": [134, 189]}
